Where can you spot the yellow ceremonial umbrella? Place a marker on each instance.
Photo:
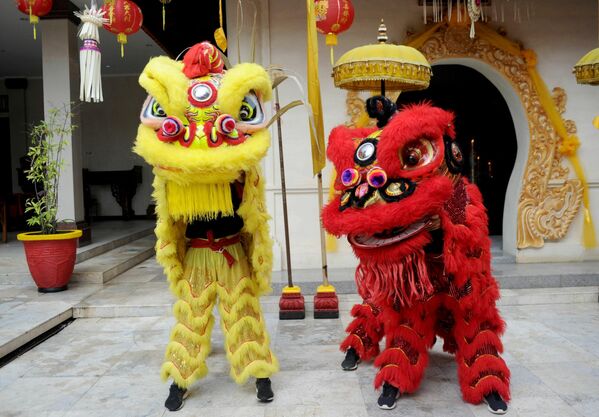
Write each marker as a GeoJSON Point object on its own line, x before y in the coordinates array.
{"type": "Point", "coordinates": [390, 67]}
{"type": "Point", "coordinates": [586, 69]}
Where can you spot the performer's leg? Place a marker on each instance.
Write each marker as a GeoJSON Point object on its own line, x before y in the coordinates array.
{"type": "Point", "coordinates": [481, 371]}
{"type": "Point", "coordinates": [246, 338]}
{"type": "Point", "coordinates": [364, 335]}
{"type": "Point", "coordinates": [409, 333]}
{"type": "Point", "coordinates": [190, 337]}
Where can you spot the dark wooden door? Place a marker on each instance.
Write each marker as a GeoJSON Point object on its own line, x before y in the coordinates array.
{"type": "Point", "coordinates": [5, 163]}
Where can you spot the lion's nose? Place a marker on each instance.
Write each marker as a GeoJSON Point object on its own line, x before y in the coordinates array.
{"type": "Point", "coordinates": [223, 130]}
{"type": "Point", "coordinates": [171, 130]}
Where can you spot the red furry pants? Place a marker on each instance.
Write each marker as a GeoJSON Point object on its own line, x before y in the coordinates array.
{"type": "Point", "coordinates": [472, 333]}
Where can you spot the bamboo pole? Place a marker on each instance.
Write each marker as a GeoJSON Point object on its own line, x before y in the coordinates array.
{"type": "Point", "coordinates": [323, 243]}
{"type": "Point", "coordinates": [283, 191]}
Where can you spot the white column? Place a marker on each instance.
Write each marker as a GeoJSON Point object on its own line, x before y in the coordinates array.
{"type": "Point", "coordinates": [60, 59]}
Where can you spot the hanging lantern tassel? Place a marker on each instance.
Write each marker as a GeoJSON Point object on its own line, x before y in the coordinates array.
{"type": "Point", "coordinates": [35, 9]}
{"type": "Point", "coordinates": [164, 3]}
{"type": "Point", "coordinates": [122, 39]}
{"type": "Point", "coordinates": [34, 20]}
{"type": "Point", "coordinates": [90, 57]}
{"type": "Point", "coordinates": [331, 40]}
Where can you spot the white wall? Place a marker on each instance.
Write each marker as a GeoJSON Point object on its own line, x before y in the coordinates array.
{"type": "Point", "coordinates": [559, 32]}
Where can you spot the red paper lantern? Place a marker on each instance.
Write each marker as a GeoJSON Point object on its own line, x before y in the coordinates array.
{"type": "Point", "coordinates": [124, 18]}
{"type": "Point", "coordinates": [333, 17]}
{"type": "Point", "coordinates": [35, 9]}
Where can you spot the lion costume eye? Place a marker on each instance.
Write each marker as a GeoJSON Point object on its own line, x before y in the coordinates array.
{"type": "Point", "coordinates": [417, 154]}
{"type": "Point", "coordinates": [152, 113]}
{"type": "Point", "coordinates": [251, 111]}
{"type": "Point", "coordinates": [157, 111]}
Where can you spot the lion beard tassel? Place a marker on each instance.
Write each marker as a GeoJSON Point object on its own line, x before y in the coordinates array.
{"type": "Point", "coordinates": [398, 282]}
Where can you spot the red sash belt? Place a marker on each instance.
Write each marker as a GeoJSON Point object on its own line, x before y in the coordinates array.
{"type": "Point", "coordinates": [218, 245]}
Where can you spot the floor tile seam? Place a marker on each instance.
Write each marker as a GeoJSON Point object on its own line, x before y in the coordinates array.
{"type": "Point", "coordinates": [572, 344]}
{"type": "Point", "coordinates": [98, 378]}
{"type": "Point", "coordinates": [22, 333]}
{"type": "Point", "coordinates": [72, 407]}
{"type": "Point", "coordinates": [98, 289]}
{"type": "Point", "coordinates": [557, 393]}
{"type": "Point", "coordinates": [585, 363]}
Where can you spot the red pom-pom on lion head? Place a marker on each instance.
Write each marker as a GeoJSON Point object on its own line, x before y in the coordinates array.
{"type": "Point", "coordinates": [201, 59]}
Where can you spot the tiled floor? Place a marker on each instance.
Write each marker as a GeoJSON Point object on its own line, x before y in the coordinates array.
{"type": "Point", "coordinates": [109, 367]}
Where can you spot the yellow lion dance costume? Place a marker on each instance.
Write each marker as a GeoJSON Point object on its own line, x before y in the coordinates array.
{"type": "Point", "coordinates": [203, 130]}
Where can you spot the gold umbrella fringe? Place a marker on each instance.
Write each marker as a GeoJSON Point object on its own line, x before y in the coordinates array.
{"type": "Point", "coordinates": [368, 75]}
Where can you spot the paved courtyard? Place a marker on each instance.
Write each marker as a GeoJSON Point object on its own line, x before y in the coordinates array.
{"type": "Point", "coordinates": [109, 367]}
{"type": "Point", "coordinates": [106, 362]}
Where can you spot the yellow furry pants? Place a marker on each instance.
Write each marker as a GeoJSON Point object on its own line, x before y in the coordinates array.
{"type": "Point", "coordinates": [207, 277]}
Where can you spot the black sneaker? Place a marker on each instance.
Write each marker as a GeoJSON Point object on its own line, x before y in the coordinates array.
{"type": "Point", "coordinates": [176, 398]}
{"type": "Point", "coordinates": [495, 403]}
{"type": "Point", "coordinates": [351, 361]}
{"type": "Point", "coordinates": [388, 398]}
{"type": "Point", "coordinates": [264, 390]}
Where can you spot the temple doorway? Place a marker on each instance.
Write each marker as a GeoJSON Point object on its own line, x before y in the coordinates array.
{"type": "Point", "coordinates": [484, 128]}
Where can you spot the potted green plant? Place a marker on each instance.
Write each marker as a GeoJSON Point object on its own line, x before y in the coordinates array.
{"type": "Point", "coordinates": [50, 252]}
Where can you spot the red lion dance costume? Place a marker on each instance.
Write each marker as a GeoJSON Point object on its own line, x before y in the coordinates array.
{"type": "Point", "coordinates": [420, 232]}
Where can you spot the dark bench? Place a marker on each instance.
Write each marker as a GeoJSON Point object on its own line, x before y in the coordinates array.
{"type": "Point", "coordinates": [123, 186]}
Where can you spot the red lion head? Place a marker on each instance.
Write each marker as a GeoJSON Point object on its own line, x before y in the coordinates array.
{"type": "Point", "coordinates": [397, 189]}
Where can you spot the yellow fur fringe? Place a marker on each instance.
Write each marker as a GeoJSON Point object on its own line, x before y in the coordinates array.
{"type": "Point", "coordinates": [164, 80]}
{"type": "Point", "coordinates": [246, 338]}
{"type": "Point", "coordinates": [239, 81]}
{"type": "Point", "coordinates": [255, 235]}
{"type": "Point", "coordinates": [199, 201]}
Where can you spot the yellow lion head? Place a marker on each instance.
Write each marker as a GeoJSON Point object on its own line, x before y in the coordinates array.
{"type": "Point", "coordinates": [200, 123]}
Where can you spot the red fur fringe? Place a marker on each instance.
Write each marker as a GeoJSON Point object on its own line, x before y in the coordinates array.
{"type": "Point", "coordinates": [402, 375]}
{"type": "Point", "coordinates": [418, 121]}
{"type": "Point", "coordinates": [481, 366]}
{"type": "Point", "coordinates": [365, 323]}
{"type": "Point", "coordinates": [474, 395]}
{"type": "Point", "coordinates": [341, 146]}
{"type": "Point", "coordinates": [396, 283]}
{"type": "Point", "coordinates": [487, 338]}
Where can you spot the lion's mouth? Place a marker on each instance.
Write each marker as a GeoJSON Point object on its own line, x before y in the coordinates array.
{"type": "Point", "coordinates": [392, 236]}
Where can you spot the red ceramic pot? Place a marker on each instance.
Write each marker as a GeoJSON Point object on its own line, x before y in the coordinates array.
{"type": "Point", "coordinates": [51, 258]}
